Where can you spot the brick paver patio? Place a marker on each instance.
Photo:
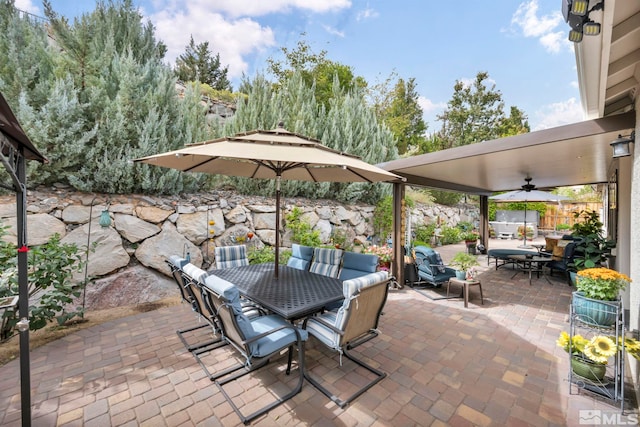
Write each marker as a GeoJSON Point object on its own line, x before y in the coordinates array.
{"type": "Point", "coordinates": [495, 364]}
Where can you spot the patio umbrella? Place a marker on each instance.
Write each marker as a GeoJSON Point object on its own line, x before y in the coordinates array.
{"type": "Point", "coordinates": [269, 154]}
{"type": "Point", "coordinates": [528, 193]}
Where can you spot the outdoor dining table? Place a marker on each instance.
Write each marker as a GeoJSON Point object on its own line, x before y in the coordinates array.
{"type": "Point", "coordinates": [531, 264]}
{"type": "Point", "coordinates": [294, 294]}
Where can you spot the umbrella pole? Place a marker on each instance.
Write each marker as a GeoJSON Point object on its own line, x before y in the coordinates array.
{"type": "Point", "coordinates": [277, 261]}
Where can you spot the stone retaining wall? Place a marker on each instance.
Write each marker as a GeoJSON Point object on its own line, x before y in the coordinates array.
{"type": "Point", "coordinates": [146, 230]}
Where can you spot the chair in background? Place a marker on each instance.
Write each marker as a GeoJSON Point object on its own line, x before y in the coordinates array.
{"type": "Point", "coordinates": [301, 257]}
{"type": "Point", "coordinates": [256, 340]}
{"type": "Point", "coordinates": [430, 267]}
{"type": "Point", "coordinates": [562, 257]}
{"type": "Point", "coordinates": [356, 265]}
{"type": "Point", "coordinates": [231, 256]}
{"type": "Point", "coordinates": [326, 262]}
{"type": "Point", "coordinates": [354, 323]}
{"type": "Point", "coordinates": [176, 264]}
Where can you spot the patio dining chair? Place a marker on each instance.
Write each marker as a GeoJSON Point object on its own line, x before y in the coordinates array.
{"type": "Point", "coordinates": [176, 265]}
{"type": "Point", "coordinates": [193, 278]}
{"type": "Point", "coordinates": [357, 265]}
{"type": "Point", "coordinates": [326, 261]}
{"type": "Point", "coordinates": [257, 341]}
{"type": "Point", "coordinates": [353, 324]}
{"type": "Point", "coordinates": [301, 257]}
{"type": "Point", "coordinates": [231, 256]}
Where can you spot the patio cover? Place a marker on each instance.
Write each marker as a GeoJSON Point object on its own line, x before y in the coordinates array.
{"type": "Point", "coordinates": [573, 154]}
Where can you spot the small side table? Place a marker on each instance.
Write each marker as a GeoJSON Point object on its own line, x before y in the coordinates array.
{"type": "Point", "coordinates": [465, 288]}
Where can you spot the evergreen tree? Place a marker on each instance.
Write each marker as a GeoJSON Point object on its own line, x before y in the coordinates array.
{"type": "Point", "coordinates": [198, 65]}
{"type": "Point", "coordinates": [316, 70]}
{"type": "Point", "coordinates": [403, 116]}
{"type": "Point", "coordinates": [26, 67]}
{"type": "Point", "coordinates": [475, 113]}
{"type": "Point", "coordinates": [100, 98]}
{"type": "Point", "coordinates": [349, 126]}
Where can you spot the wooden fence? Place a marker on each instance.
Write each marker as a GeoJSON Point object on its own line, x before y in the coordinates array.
{"type": "Point", "coordinates": [563, 214]}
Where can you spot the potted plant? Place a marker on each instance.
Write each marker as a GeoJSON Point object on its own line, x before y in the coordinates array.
{"type": "Point", "coordinates": [384, 253]}
{"type": "Point", "coordinates": [595, 300]}
{"type": "Point", "coordinates": [463, 261]}
{"type": "Point", "coordinates": [470, 239]}
{"type": "Point", "coordinates": [589, 358]}
{"type": "Point", "coordinates": [592, 248]}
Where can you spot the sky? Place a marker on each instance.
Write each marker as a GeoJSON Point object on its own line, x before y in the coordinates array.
{"type": "Point", "coordinates": [522, 45]}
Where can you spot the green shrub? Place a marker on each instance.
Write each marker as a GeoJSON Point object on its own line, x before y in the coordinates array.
{"type": "Point", "coordinates": [563, 226]}
{"type": "Point", "coordinates": [302, 233]}
{"type": "Point", "coordinates": [424, 233]}
{"type": "Point", "coordinates": [51, 267]}
{"type": "Point", "coordinates": [267, 254]}
{"type": "Point", "coordinates": [450, 235]}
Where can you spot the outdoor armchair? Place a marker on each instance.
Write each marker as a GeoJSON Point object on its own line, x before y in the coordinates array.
{"type": "Point", "coordinates": [356, 265]}
{"type": "Point", "coordinates": [430, 267]}
{"type": "Point", "coordinates": [301, 257]}
{"type": "Point", "coordinates": [256, 340]}
{"type": "Point", "coordinates": [326, 261]}
{"type": "Point", "coordinates": [354, 323]}
{"type": "Point", "coordinates": [231, 256]}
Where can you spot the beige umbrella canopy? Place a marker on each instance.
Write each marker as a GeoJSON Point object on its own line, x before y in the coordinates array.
{"type": "Point", "coordinates": [269, 154]}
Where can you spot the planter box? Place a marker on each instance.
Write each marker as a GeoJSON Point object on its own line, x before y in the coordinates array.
{"type": "Point", "coordinates": [594, 312]}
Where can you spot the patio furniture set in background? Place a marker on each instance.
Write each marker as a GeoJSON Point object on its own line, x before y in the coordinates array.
{"type": "Point", "coordinates": [251, 315]}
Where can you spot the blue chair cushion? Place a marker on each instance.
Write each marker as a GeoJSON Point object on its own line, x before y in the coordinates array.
{"type": "Point", "coordinates": [231, 256]}
{"type": "Point", "coordinates": [177, 261]}
{"type": "Point", "coordinates": [229, 292]}
{"type": "Point", "coordinates": [356, 265]}
{"type": "Point", "coordinates": [195, 273]}
{"type": "Point", "coordinates": [328, 337]}
{"type": "Point", "coordinates": [326, 262]}
{"type": "Point", "coordinates": [277, 340]}
{"type": "Point", "coordinates": [300, 257]}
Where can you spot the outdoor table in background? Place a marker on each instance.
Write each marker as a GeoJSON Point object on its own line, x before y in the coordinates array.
{"type": "Point", "coordinates": [294, 294]}
{"type": "Point", "coordinates": [465, 284]}
{"type": "Point", "coordinates": [531, 264]}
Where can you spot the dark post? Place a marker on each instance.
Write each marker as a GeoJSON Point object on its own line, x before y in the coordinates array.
{"type": "Point", "coordinates": [23, 293]}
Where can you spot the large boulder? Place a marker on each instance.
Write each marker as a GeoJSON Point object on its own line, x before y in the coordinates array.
{"type": "Point", "coordinates": [153, 214]}
{"type": "Point", "coordinates": [134, 229]}
{"type": "Point", "coordinates": [40, 229]}
{"type": "Point", "coordinates": [132, 286]}
{"type": "Point", "coordinates": [154, 251]}
{"type": "Point", "coordinates": [106, 253]}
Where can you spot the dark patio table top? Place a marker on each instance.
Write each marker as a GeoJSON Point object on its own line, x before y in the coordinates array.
{"type": "Point", "coordinates": [294, 294]}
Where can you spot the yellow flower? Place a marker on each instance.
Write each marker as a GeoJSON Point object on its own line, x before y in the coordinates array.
{"type": "Point", "coordinates": [589, 351]}
{"type": "Point", "coordinates": [563, 341]}
{"type": "Point", "coordinates": [603, 346]}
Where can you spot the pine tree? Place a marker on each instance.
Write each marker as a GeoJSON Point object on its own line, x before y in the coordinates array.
{"type": "Point", "coordinates": [475, 113]}
{"type": "Point", "coordinates": [26, 68]}
{"type": "Point", "coordinates": [349, 125]}
{"type": "Point", "coordinates": [198, 65]}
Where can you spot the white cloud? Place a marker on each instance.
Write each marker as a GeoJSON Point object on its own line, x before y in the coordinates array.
{"type": "Point", "coordinates": [430, 110]}
{"type": "Point", "coordinates": [28, 6]}
{"type": "Point", "coordinates": [237, 8]}
{"type": "Point", "coordinates": [558, 114]}
{"type": "Point", "coordinates": [547, 29]}
{"type": "Point", "coordinates": [430, 107]}
{"type": "Point", "coordinates": [233, 39]}
{"type": "Point", "coordinates": [367, 13]}
{"type": "Point", "coordinates": [333, 31]}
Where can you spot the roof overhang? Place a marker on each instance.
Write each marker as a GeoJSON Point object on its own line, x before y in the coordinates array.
{"type": "Point", "coordinates": [574, 154]}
